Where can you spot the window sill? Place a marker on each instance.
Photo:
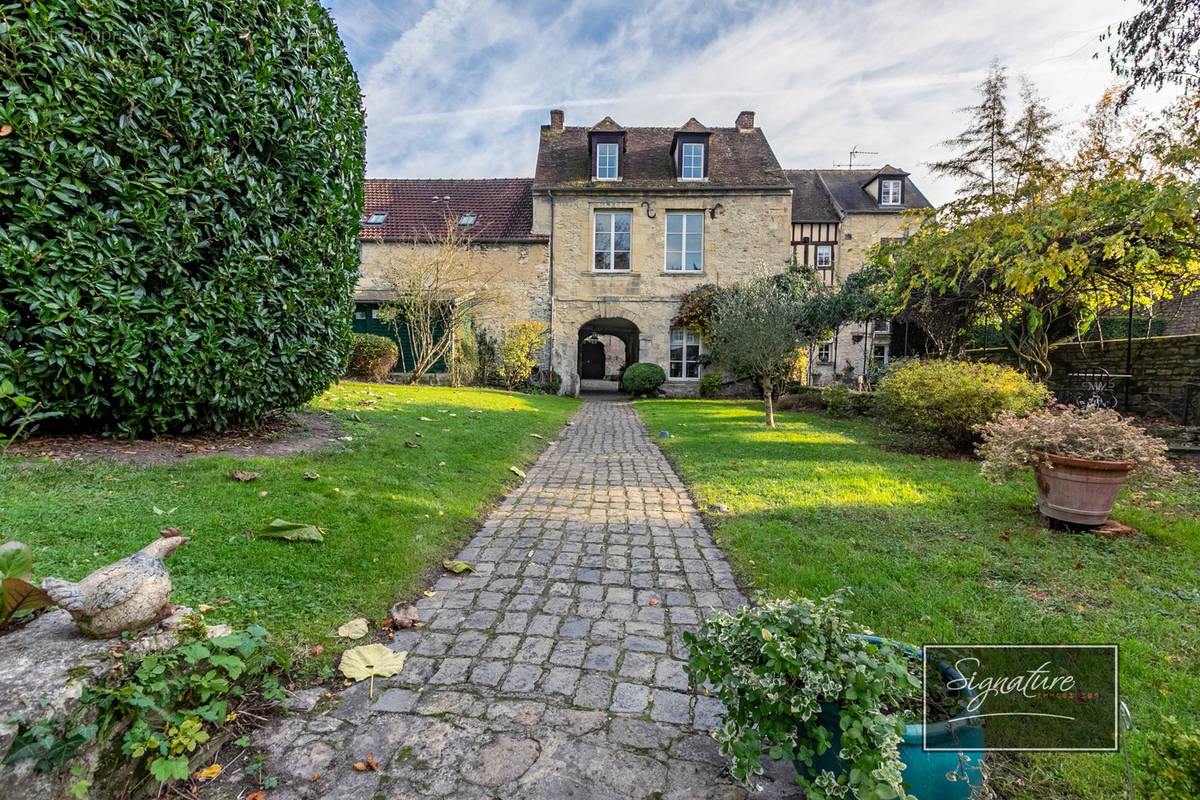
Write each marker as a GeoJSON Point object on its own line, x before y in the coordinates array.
{"type": "Point", "coordinates": [683, 380]}
{"type": "Point", "coordinates": [606, 180]}
{"type": "Point", "coordinates": [693, 180]}
{"type": "Point", "coordinates": [683, 272]}
{"type": "Point", "coordinates": [611, 271]}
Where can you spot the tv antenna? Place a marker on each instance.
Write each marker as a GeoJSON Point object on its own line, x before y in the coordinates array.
{"type": "Point", "coordinates": [854, 151]}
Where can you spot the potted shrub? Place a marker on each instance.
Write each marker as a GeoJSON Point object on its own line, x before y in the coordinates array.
{"type": "Point", "coordinates": [800, 681]}
{"type": "Point", "coordinates": [1081, 457]}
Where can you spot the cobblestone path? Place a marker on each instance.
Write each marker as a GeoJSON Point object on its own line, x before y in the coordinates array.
{"type": "Point", "coordinates": [556, 671]}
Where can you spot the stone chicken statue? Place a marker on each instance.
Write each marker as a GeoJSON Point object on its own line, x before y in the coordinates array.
{"type": "Point", "coordinates": [127, 595]}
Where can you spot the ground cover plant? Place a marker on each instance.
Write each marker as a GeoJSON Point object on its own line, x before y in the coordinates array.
{"type": "Point", "coordinates": [387, 510]}
{"type": "Point", "coordinates": [933, 552]}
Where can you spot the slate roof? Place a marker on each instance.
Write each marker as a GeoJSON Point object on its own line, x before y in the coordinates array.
{"type": "Point", "coordinates": [810, 199]}
{"type": "Point", "coordinates": [504, 207]}
{"type": "Point", "coordinates": [846, 190]}
{"type": "Point", "coordinates": [736, 158]}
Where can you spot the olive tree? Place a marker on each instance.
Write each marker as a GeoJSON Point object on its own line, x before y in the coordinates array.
{"type": "Point", "coordinates": [180, 188]}
{"type": "Point", "coordinates": [758, 326]}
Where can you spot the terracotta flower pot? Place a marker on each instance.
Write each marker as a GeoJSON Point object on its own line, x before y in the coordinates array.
{"type": "Point", "coordinates": [1079, 490]}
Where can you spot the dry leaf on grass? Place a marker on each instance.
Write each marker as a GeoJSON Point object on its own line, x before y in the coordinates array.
{"type": "Point", "coordinates": [354, 629]}
{"type": "Point", "coordinates": [292, 531]}
{"type": "Point", "coordinates": [517, 471]}
{"type": "Point", "coordinates": [243, 476]}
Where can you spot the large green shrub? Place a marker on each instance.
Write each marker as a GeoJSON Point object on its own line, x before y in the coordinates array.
{"type": "Point", "coordinates": [949, 398]}
{"type": "Point", "coordinates": [180, 189]}
{"type": "Point", "coordinates": [643, 378]}
{"type": "Point", "coordinates": [371, 357]}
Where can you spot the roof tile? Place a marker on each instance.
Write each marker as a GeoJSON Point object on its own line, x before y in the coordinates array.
{"type": "Point", "coordinates": [420, 209]}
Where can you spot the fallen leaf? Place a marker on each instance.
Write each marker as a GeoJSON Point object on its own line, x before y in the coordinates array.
{"type": "Point", "coordinates": [428, 593]}
{"type": "Point", "coordinates": [369, 660]}
{"type": "Point", "coordinates": [457, 567]}
{"type": "Point", "coordinates": [243, 476]}
{"type": "Point", "coordinates": [160, 512]}
{"type": "Point", "coordinates": [317, 650]}
{"type": "Point", "coordinates": [1005, 539]}
{"type": "Point", "coordinates": [208, 773]}
{"type": "Point", "coordinates": [262, 493]}
{"type": "Point", "coordinates": [403, 616]}
{"type": "Point", "coordinates": [537, 436]}
{"type": "Point", "coordinates": [425, 419]}
{"type": "Point", "coordinates": [5, 129]}
{"type": "Point", "coordinates": [411, 444]}
{"type": "Point", "coordinates": [387, 623]}
{"type": "Point", "coordinates": [313, 779]}
{"type": "Point", "coordinates": [292, 531]}
{"type": "Point", "coordinates": [519, 473]}
{"type": "Point", "coordinates": [259, 795]}
{"type": "Point", "coordinates": [354, 629]}
{"type": "Point", "coordinates": [204, 607]}
{"type": "Point", "coordinates": [418, 433]}
{"type": "Point", "coordinates": [311, 476]}
{"type": "Point", "coordinates": [369, 763]}
{"type": "Point", "coordinates": [653, 601]}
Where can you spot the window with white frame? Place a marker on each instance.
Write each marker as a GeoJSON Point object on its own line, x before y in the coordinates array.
{"type": "Point", "coordinates": [685, 354]}
{"type": "Point", "coordinates": [824, 256]}
{"type": "Point", "coordinates": [825, 353]}
{"type": "Point", "coordinates": [889, 192]}
{"type": "Point", "coordinates": [692, 161]}
{"type": "Point", "coordinates": [685, 241]}
{"type": "Point", "coordinates": [880, 354]}
{"type": "Point", "coordinates": [611, 238]}
{"type": "Point", "coordinates": [607, 155]}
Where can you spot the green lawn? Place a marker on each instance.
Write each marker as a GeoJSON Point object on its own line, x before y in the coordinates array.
{"type": "Point", "coordinates": [934, 553]}
{"type": "Point", "coordinates": [388, 511]}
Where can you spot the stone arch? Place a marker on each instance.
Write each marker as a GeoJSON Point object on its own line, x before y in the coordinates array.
{"type": "Point", "coordinates": [592, 355]}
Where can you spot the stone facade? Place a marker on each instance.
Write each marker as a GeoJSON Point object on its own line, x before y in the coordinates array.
{"type": "Point", "coordinates": [537, 237]}
{"type": "Point", "coordinates": [856, 234]}
{"type": "Point", "coordinates": [748, 234]}
{"type": "Point", "coordinates": [518, 276]}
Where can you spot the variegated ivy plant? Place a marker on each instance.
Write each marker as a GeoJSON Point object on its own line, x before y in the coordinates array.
{"type": "Point", "coordinates": [776, 665]}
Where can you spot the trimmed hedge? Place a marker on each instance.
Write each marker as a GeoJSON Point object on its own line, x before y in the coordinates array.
{"type": "Point", "coordinates": [182, 182]}
{"type": "Point", "coordinates": [949, 398]}
{"type": "Point", "coordinates": [643, 378]}
{"type": "Point", "coordinates": [371, 357]}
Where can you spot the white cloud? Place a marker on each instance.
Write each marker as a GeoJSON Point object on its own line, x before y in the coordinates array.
{"type": "Point", "coordinates": [458, 88]}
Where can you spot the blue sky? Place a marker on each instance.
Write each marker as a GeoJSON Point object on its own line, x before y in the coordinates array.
{"type": "Point", "coordinates": [458, 88]}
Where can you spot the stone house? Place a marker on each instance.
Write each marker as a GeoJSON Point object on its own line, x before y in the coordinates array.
{"type": "Point", "coordinates": [618, 223]}
{"type": "Point", "coordinates": [838, 215]}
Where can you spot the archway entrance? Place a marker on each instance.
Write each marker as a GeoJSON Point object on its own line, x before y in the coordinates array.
{"type": "Point", "coordinates": [606, 346]}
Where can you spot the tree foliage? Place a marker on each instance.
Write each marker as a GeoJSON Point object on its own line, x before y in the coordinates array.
{"type": "Point", "coordinates": [180, 188]}
{"type": "Point", "coordinates": [758, 326]}
{"type": "Point", "coordinates": [1057, 243]}
{"type": "Point", "coordinates": [1159, 45]}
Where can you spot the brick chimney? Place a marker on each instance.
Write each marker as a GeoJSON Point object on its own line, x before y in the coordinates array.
{"type": "Point", "coordinates": [745, 121]}
{"type": "Point", "coordinates": [556, 119]}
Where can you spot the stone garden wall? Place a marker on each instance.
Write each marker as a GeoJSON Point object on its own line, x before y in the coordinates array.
{"type": "Point", "coordinates": [1162, 368]}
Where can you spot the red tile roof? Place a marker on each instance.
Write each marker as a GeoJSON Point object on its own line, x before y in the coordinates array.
{"type": "Point", "coordinates": [418, 209]}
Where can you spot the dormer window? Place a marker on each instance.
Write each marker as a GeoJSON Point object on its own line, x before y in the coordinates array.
{"type": "Point", "coordinates": [606, 158]}
{"type": "Point", "coordinates": [375, 219]}
{"type": "Point", "coordinates": [692, 161]}
{"type": "Point", "coordinates": [689, 151]}
{"type": "Point", "coordinates": [891, 191]}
